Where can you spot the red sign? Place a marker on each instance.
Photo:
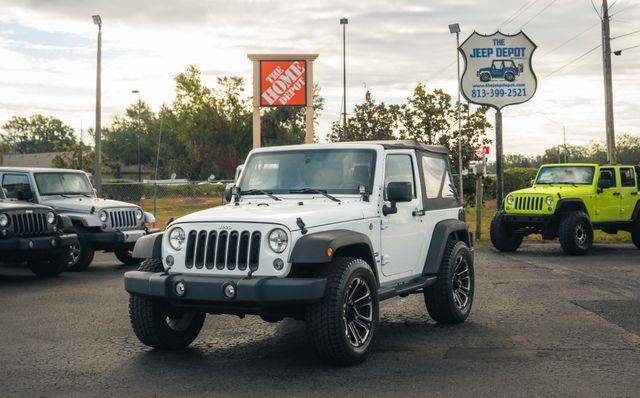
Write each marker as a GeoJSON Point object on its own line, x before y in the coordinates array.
{"type": "Point", "coordinates": [283, 83]}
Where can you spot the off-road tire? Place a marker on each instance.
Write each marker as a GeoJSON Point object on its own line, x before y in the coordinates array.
{"type": "Point", "coordinates": [53, 266]}
{"type": "Point", "coordinates": [575, 233]}
{"type": "Point", "coordinates": [635, 234]}
{"type": "Point", "coordinates": [485, 77]}
{"type": "Point", "coordinates": [325, 325]}
{"type": "Point", "coordinates": [86, 254]}
{"type": "Point", "coordinates": [149, 318]}
{"type": "Point", "coordinates": [509, 77]}
{"type": "Point", "coordinates": [126, 258]}
{"type": "Point", "coordinates": [502, 237]}
{"type": "Point", "coordinates": [439, 298]}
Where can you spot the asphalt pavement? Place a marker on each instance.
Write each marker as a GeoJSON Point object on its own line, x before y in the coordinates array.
{"type": "Point", "coordinates": [543, 324]}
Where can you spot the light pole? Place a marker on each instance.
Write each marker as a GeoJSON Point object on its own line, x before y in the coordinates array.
{"type": "Point", "coordinates": [138, 135]}
{"type": "Point", "coordinates": [98, 138]}
{"type": "Point", "coordinates": [455, 28]}
{"type": "Point", "coordinates": [344, 22]}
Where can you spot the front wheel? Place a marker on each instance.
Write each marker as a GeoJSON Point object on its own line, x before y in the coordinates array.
{"type": "Point", "coordinates": [575, 233]}
{"type": "Point", "coordinates": [50, 266]}
{"type": "Point", "coordinates": [342, 326]}
{"type": "Point", "coordinates": [81, 255]}
{"type": "Point", "coordinates": [502, 236]}
{"type": "Point", "coordinates": [509, 77]}
{"type": "Point", "coordinates": [125, 256]}
{"type": "Point", "coordinates": [449, 300]}
{"type": "Point", "coordinates": [635, 234]}
{"type": "Point", "coordinates": [157, 324]}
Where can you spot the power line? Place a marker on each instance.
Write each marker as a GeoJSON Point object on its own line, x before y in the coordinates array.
{"type": "Point", "coordinates": [573, 60]}
{"type": "Point", "coordinates": [626, 34]}
{"type": "Point", "coordinates": [539, 12]}
{"type": "Point", "coordinates": [518, 12]}
{"type": "Point", "coordinates": [568, 41]}
{"type": "Point", "coordinates": [626, 8]}
{"type": "Point", "coordinates": [618, 52]}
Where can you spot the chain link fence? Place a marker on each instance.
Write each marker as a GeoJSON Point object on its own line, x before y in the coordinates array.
{"type": "Point", "coordinates": [167, 201]}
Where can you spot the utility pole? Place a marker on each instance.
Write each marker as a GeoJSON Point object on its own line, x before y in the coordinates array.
{"type": "Point", "coordinates": [344, 22]}
{"type": "Point", "coordinates": [98, 134]}
{"type": "Point", "coordinates": [80, 148]}
{"type": "Point", "coordinates": [499, 159]}
{"type": "Point", "coordinates": [608, 86]}
{"type": "Point", "coordinates": [139, 122]}
{"type": "Point", "coordinates": [455, 28]}
{"type": "Point", "coordinates": [564, 137]}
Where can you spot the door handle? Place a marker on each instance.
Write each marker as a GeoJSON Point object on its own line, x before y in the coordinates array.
{"type": "Point", "coordinates": [616, 194]}
{"type": "Point", "coordinates": [634, 193]}
{"type": "Point", "coordinates": [418, 213]}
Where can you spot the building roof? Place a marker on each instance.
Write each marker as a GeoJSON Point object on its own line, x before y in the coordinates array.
{"type": "Point", "coordinates": [43, 159]}
{"type": "Point", "coordinates": [39, 169]}
{"type": "Point", "coordinates": [406, 144]}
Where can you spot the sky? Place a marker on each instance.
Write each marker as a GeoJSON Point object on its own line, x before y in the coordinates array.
{"type": "Point", "coordinates": [48, 50]}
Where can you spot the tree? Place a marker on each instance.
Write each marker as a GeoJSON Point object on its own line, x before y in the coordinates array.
{"type": "Point", "coordinates": [371, 120]}
{"type": "Point", "coordinates": [37, 133]}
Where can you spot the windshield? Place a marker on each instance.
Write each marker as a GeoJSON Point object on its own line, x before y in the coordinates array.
{"type": "Point", "coordinates": [63, 184]}
{"type": "Point", "coordinates": [580, 175]}
{"type": "Point", "coordinates": [332, 170]}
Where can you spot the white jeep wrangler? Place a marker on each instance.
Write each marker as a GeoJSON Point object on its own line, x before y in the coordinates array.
{"type": "Point", "coordinates": [320, 233]}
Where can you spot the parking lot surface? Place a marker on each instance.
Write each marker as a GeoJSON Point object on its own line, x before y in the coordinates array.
{"type": "Point", "coordinates": [543, 323]}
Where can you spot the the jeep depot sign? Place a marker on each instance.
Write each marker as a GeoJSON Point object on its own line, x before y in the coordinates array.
{"type": "Point", "coordinates": [498, 69]}
{"type": "Point", "coordinates": [282, 83]}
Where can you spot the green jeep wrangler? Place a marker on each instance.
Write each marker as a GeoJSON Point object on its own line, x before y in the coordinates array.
{"type": "Point", "coordinates": [569, 201]}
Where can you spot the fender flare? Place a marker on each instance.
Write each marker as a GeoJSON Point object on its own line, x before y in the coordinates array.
{"type": "Point", "coordinates": [636, 212]}
{"type": "Point", "coordinates": [565, 202]}
{"type": "Point", "coordinates": [312, 248]}
{"type": "Point", "coordinates": [149, 246]}
{"type": "Point", "coordinates": [64, 222]}
{"type": "Point", "coordinates": [441, 234]}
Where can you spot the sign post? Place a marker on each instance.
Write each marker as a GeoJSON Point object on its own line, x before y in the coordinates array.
{"type": "Point", "coordinates": [282, 80]}
{"type": "Point", "coordinates": [498, 73]}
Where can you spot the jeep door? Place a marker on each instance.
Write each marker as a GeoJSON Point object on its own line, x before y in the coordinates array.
{"type": "Point", "coordinates": [400, 238]}
{"type": "Point", "coordinates": [608, 196]}
{"type": "Point", "coordinates": [628, 192]}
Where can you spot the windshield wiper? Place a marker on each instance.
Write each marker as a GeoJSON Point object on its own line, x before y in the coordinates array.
{"type": "Point", "coordinates": [311, 190]}
{"type": "Point", "coordinates": [259, 192]}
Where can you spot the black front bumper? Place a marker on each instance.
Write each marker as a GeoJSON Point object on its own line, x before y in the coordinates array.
{"type": "Point", "coordinates": [263, 291]}
{"type": "Point", "coordinates": [528, 220]}
{"type": "Point", "coordinates": [109, 240]}
{"type": "Point", "coordinates": [37, 244]}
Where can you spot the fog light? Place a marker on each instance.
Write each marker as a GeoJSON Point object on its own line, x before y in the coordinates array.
{"type": "Point", "coordinates": [169, 261]}
{"type": "Point", "coordinates": [181, 289]}
{"type": "Point", "coordinates": [229, 290]}
{"type": "Point", "coordinates": [31, 244]}
{"type": "Point", "coordinates": [53, 242]}
{"type": "Point", "coordinates": [278, 264]}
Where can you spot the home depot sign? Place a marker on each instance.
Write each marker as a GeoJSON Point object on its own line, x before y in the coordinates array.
{"type": "Point", "coordinates": [282, 80]}
{"type": "Point", "coordinates": [283, 83]}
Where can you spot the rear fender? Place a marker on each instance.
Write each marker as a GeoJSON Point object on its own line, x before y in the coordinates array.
{"type": "Point", "coordinates": [442, 232]}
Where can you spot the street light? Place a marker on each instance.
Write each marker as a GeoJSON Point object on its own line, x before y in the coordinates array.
{"type": "Point", "coordinates": [98, 134]}
{"type": "Point", "coordinates": [344, 22]}
{"type": "Point", "coordinates": [455, 28]}
{"type": "Point", "coordinates": [138, 135]}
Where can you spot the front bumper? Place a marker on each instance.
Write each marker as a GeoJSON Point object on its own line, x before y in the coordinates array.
{"type": "Point", "coordinates": [115, 239]}
{"type": "Point", "coordinates": [39, 243]}
{"type": "Point", "coordinates": [528, 219]}
{"type": "Point", "coordinates": [210, 289]}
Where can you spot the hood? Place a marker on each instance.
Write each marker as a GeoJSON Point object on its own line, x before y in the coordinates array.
{"type": "Point", "coordinates": [313, 213]}
{"type": "Point", "coordinates": [83, 204]}
{"type": "Point", "coordinates": [553, 190]}
{"type": "Point", "coordinates": [10, 205]}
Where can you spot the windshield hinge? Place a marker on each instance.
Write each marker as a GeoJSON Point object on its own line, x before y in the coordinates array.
{"type": "Point", "coordinates": [301, 225]}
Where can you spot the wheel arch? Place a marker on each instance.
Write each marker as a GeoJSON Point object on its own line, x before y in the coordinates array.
{"type": "Point", "coordinates": [567, 205]}
{"type": "Point", "coordinates": [149, 246]}
{"type": "Point", "coordinates": [443, 231]}
{"type": "Point", "coordinates": [635, 216]}
{"type": "Point", "coordinates": [312, 248]}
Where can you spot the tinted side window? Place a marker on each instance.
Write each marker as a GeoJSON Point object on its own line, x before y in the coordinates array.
{"type": "Point", "coordinates": [399, 168]}
{"type": "Point", "coordinates": [627, 179]}
{"type": "Point", "coordinates": [16, 185]}
{"type": "Point", "coordinates": [437, 178]}
{"type": "Point", "coordinates": [608, 174]}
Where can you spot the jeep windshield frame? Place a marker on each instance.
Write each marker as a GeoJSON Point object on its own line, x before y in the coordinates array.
{"type": "Point", "coordinates": [63, 183]}
{"type": "Point", "coordinates": [570, 174]}
{"type": "Point", "coordinates": [330, 170]}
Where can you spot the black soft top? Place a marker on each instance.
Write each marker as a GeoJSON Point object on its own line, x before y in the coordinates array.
{"type": "Point", "coordinates": [407, 144]}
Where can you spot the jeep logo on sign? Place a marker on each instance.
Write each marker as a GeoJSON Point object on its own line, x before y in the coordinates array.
{"type": "Point", "coordinates": [282, 83]}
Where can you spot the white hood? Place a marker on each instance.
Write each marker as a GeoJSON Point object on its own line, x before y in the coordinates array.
{"type": "Point", "coordinates": [313, 212]}
{"type": "Point", "coordinates": [83, 204]}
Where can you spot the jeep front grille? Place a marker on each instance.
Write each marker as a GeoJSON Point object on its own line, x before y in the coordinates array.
{"type": "Point", "coordinates": [30, 223]}
{"type": "Point", "coordinates": [122, 218]}
{"type": "Point", "coordinates": [529, 203]}
{"type": "Point", "coordinates": [223, 250]}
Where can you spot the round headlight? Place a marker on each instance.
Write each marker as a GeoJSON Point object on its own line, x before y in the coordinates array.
{"type": "Point", "coordinates": [103, 216]}
{"type": "Point", "coordinates": [4, 220]}
{"type": "Point", "coordinates": [177, 238]}
{"type": "Point", "coordinates": [278, 240]}
{"type": "Point", "coordinates": [51, 218]}
{"type": "Point", "coordinates": [510, 199]}
{"type": "Point", "coordinates": [549, 200]}
{"type": "Point", "coordinates": [139, 214]}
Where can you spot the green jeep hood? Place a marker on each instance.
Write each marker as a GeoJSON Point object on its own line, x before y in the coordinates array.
{"type": "Point", "coordinates": [565, 190]}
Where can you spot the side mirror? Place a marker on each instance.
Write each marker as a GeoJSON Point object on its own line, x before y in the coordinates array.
{"type": "Point", "coordinates": [397, 192]}
{"type": "Point", "coordinates": [228, 191]}
{"type": "Point", "coordinates": [533, 181]}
